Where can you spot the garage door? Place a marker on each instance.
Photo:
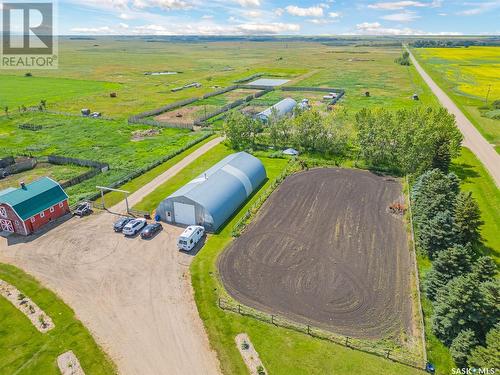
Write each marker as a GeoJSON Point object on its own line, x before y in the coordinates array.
{"type": "Point", "coordinates": [184, 213]}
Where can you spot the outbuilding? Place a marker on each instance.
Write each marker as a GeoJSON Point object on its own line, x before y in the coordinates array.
{"type": "Point", "coordinates": [282, 108]}
{"type": "Point", "coordinates": [211, 198]}
{"type": "Point", "coordinates": [28, 208]}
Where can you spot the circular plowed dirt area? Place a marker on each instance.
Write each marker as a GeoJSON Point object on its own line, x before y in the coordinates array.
{"type": "Point", "coordinates": [325, 251]}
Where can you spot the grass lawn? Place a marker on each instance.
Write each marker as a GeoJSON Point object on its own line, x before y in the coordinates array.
{"type": "Point", "coordinates": [27, 351]}
{"type": "Point", "coordinates": [467, 75]}
{"type": "Point", "coordinates": [59, 173]}
{"type": "Point", "coordinates": [477, 180]}
{"type": "Point", "coordinates": [113, 198]}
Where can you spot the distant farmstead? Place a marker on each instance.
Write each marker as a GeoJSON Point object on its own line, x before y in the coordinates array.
{"type": "Point", "coordinates": [28, 208]}
{"type": "Point", "coordinates": [211, 198]}
{"type": "Point", "coordinates": [282, 108]}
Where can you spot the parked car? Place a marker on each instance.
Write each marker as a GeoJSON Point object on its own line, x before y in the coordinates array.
{"type": "Point", "coordinates": [134, 226]}
{"type": "Point", "coordinates": [83, 209]}
{"type": "Point", "coordinates": [150, 230]}
{"type": "Point", "coordinates": [190, 237]}
{"type": "Point", "coordinates": [120, 223]}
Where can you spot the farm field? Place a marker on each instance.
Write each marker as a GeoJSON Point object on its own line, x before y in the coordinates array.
{"type": "Point", "coordinates": [27, 351]}
{"type": "Point", "coordinates": [291, 262]}
{"type": "Point", "coordinates": [59, 173]}
{"type": "Point", "coordinates": [113, 142]}
{"type": "Point", "coordinates": [469, 76]}
{"type": "Point", "coordinates": [101, 62]}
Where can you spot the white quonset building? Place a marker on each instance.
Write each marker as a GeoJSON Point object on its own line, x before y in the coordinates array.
{"type": "Point", "coordinates": [212, 197]}
{"type": "Point", "coordinates": [282, 108]}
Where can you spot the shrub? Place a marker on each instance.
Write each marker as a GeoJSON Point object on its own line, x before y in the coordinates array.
{"type": "Point", "coordinates": [462, 346]}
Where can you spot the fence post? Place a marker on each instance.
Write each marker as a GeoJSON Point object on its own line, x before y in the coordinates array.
{"type": "Point", "coordinates": [219, 303]}
{"type": "Point", "coordinates": [347, 341]}
{"type": "Point", "coordinates": [388, 353]}
{"type": "Point", "coordinates": [239, 308]}
{"type": "Point", "coordinates": [308, 329]}
{"type": "Point", "coordinates": [272, 319]}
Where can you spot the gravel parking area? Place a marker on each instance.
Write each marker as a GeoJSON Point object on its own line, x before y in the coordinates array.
{"type": "Point", "coordinates": [134, 295]}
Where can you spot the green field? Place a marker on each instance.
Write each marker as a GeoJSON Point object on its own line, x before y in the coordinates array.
{"type": "Point", "coordinates": [110, 142]}
{"type": "Point", "coordinates": [470, 77]}
{"type": "Point", "coordinates": [90, 69]}
{"type": "Point", "coordinates": [59, 173]}
{"type": "Point", "coordinates": [26, 351]}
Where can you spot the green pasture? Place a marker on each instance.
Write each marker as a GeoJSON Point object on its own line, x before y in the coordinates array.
{"type": "Point", "coordinates": [26, 351]}
{"type": "Point", "coordinates": [59, 173]}
{"type": "Point", "coordinates": [470, 77]}
{"type": "Point", "coordinates": [111, 142]}
{"type": "Point", "coordinates": [90, 69]}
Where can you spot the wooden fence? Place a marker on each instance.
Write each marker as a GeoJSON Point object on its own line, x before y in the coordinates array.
{"type": "Point", "coordinates": [394, 353]}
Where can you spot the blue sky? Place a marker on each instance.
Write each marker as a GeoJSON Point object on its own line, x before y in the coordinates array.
{"type": "Point", "coordinates": [280, 17]}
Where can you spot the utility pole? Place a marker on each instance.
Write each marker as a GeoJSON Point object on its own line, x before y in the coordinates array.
{"type": "Point", "coordinates": [488, 94]}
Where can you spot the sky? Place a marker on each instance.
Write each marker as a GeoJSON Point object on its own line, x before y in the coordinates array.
{"type": "Point", "coordinates": [278, 17]}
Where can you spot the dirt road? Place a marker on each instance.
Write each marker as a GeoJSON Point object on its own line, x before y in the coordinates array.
{"type": "Point", "coordinates": [134, 295]}
{"type": "Point", "coordinates": [484, 151]}
{"type": "Point", "coordinates": [138, 195]}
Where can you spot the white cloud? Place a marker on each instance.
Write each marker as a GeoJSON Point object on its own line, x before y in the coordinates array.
{"type": "Point", "coordinates": [207, 17]}
{"type": "Point", "coordinates": [268, 28]}
{"type": "Point", "coordinates": [163, 4]}
{"type": "Point", "coordinates": [252, 13]}
{"type": "Point", "coordinates": [375, 28]}
{"type": "Point", "coordinates": [248, 3]}
{"type": "Point", "coordinates": [315, 11]}
{"type": "Point", "coordinates": [395, 5]}
{"type": "Point", "coordinates": [279, 12]}
{"type": "Point", "coordinates": [105, 30]}
{"type": "Point", "coordinates": [333, 14]}
{"type": "Point", "coordinates": [401, 17]}
{"type": "Point", "coordinates": [123, 25]}
{"type": "Point", "coordinates": [126, 16]}
{"type": "Point", "coordinates": [480, 8]}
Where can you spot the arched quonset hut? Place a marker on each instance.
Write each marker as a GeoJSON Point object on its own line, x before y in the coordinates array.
{"type": "Point", "coordinates": [212, 197]}
{"type": "Point", "coordinates": [282, 108]}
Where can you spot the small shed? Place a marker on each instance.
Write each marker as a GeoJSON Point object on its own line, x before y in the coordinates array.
{"type": "Point", "coordinates": [29, 207]}
{"type": "Point", "coordinates": [211, 198]}
{"type": "Point", "coordinates": [282, 108]}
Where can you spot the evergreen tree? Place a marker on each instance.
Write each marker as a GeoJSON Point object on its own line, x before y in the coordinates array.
{"type": "Point", "coordinates": [467, 219]}
{"type": "Point", "coordinates": [436, 234]}
{"type": "Point", "coordinates": [484, 268]}
{"type": "Point", "coordinates": [450, 263]}
{"type": "Point", "coordinates": [465, 303]}
{"type": "Point", "coordinates": [462, 346]}
{"type": "Point", "coordinates": [487, 356]}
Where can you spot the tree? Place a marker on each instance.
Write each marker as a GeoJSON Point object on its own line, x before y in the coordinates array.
{"type": "Point", "coordinates": [308, 130]}
{"type": "Point", "coordinates": [450, 263]}
{"type": "Point", "coordinates": [467, 220]}
{"type": "Point", "coordinates": [487, 356]}
{"type": "Point", "coordinates": [237, 129]}
{"type": "Point", "coordinates": [442, 157]}
{"type": "Point", "coordinates": [436, 234]}
{"type": "Point", "coordinates": [6, 110]}
{"type": "Point", "coordinates": [465, 303]}
{"type": "Point", "coordinates": [484, 268]}
{"type": "Point", "coordinates": [462, 346]}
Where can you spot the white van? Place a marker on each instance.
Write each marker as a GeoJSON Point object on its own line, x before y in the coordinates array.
{"type": "Point", "coordinates": [190, 237]}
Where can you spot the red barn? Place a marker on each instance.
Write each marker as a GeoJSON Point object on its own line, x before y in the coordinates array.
{"type": "Point", "coordinates": [30, 207]}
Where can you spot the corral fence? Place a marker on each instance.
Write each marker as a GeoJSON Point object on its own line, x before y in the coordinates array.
{"type": "Point", "coordinates": [161, 124]}
{"type": "Point", "coordinates": [136, 173]}
{"type": "Point", "coordinates": [96, 168]}
{"type": "Point", "coordinates": [340, 93]}
{"type": "Point", "coordinates": [31, 127]}
{"type": "Point", "coordinates": [393, 353]}
{"type": "Point", "coordinates": [249, 78]}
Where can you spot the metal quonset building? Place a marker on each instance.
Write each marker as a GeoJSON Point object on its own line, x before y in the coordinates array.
{"type": "Point", "coordinates": [212, 197]}
{"type": "Point", "coordinates": [282, 108]}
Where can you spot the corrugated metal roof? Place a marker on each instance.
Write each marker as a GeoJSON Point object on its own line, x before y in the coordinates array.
{"type": "Point", "coordinates": [35, 197]}
{"type": "Point", "coordinates": [282, 108]}
{"type": "Point", "coordinates": [225, 186]}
